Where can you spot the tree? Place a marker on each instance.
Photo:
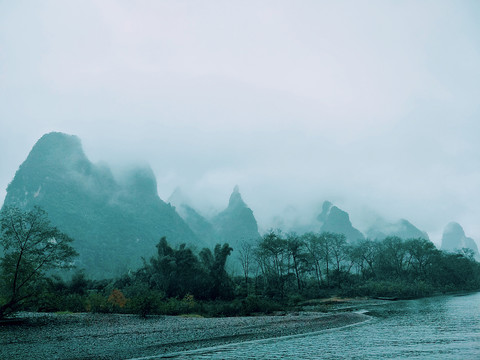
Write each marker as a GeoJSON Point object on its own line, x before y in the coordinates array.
{"type": "Point", "coordinates": [392, 259]}
{"type": "Point", "coordinates": [31, 247]}
{"type": "Point", "coordinates": [244, 255]}
{"type": "Point", "coordinates": [220, 283]}
{"type": "Point", "coordinates": [422, 254]}
{"type": "Point", "coordinates": [325, 240]}
{"type": "Point", "coordinates": [338, 249]}
{"type": "Point", "coordinates": [272, 257]}
{"type": "Point", "coordinates": [295, 247]}
{"type": "Point", "coordinates": [314, 245]}
{"type": "Point", "coordinates": [176, 272]}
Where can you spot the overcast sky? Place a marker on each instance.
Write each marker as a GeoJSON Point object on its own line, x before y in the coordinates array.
{"type": "Point", "coordinates": [374, 105]}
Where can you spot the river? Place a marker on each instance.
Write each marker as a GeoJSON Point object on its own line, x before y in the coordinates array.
{"type": "Point", "coordinates": [442, 327]}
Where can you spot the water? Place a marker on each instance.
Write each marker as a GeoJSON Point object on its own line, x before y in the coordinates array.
{"type": "Point", "coordinates": [446, 327]}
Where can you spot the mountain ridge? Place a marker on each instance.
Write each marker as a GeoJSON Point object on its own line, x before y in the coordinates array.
{"type": "Point", "coordinates": [84, 200]}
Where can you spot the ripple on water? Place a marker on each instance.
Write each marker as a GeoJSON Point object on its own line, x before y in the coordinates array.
{"type": "Point", "coordinates": [445, 327]}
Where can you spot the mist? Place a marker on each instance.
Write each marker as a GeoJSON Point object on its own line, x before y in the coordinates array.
{"type": "Point", "coordinates": [372, 105]}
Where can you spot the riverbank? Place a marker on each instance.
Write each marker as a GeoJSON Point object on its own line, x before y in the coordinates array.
{"type": "Point", "coordinates": [116, 336]}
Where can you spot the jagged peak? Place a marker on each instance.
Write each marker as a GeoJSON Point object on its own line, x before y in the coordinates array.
{"type": "Point", "coordinates": [327, 208]}
{"type": "Point", "coordinates": [236, 198]}
{"type": "Point", "coordinates": [327, 205]}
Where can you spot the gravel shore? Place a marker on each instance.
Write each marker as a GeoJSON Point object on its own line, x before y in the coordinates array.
{"type": "Point", "coordinates": [114, 336]}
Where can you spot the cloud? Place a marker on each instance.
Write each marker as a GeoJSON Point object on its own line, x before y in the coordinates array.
{"type": "Point", "coordinates": [373, 105]}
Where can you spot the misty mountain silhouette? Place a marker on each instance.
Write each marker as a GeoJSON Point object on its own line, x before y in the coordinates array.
{"type": "Point", "coordinates": [335, 220]}
{"type": "Point", "coordinates": [202, 227]}
{"type": "Point", "coordinates": [402, 228]}
{"type": "Point", "coordinates": [454, 239]}
{"type": "Point", "coordinates": [114, 223]}
{"type": "Point", "coordinates": [117, 221]}
{"type": "Point", "coordinates": [233, 225]}
{"type": "Point", "coordinates": [236, 224]}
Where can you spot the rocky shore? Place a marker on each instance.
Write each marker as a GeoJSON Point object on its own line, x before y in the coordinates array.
{"type": "Point", "coordinates": [114, 336]}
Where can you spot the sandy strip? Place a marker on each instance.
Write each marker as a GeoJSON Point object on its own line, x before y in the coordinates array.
{"type": "Point", "coordinates": [113, 336]}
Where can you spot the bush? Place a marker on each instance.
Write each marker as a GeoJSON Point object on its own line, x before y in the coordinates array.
{"type": "Point", "coordinates": [146, 304]}
{"type": "Point", "coordinates": [117, 300]}
{"type": "Point", "coordinates": [174, 306]}
{"type": "Point", "coordinates": [97, 303]}
{"type": "Point", "coordinates": [46, 302]}
{"type": "Point", "coordinates": [74, 303]}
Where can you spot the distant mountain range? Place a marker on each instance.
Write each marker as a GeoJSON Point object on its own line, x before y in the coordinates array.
{"type": "Point", "coordinates": [117, 221]}
{"type": "Point", "coordinates": [402, 228]}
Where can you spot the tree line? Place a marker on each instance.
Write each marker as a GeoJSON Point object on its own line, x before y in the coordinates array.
{"type": "Point", "coordinates": [273, 272]}
{"type": "Point", "coordinates": [313, 264]}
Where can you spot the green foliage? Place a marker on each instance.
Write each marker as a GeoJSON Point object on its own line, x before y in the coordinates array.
{"type": "Point", "coordinates": [290, 271]}
{"type": "Point", "coordinates": [220, 284]}
{"type": "Point", "coordinates": [75, 303]}
{"type": "Point", "coordinates": [145, 304]}
{"type": "Point", "coordinates": [31, 247]}
{"type": "Point", "coordinates": [78, 284]}
{"type": "Point", "coordinates": [97, 303]}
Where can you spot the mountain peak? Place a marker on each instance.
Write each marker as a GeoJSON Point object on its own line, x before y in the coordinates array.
{"type": "Point", "coordinates": [334, 219]}
{"type": "Point", "coordinates": [454, 239]}
{"type": "Point", "coordinates": [454, 228]}
{"type": "Point", "coordinates": [59, 138]}
{"type": "Point", "coordinates": [236, 198]}
{"type": "Point", "coordinates": [402, 228]}
{"type": "Point", "coordinates": [327, 205]}
{"type": "Point", "coordinates": [57, 147]}
{"type": "Point", "coordinates": [141, 181]}
{"type": "Point", "coordinates": [115, 222]}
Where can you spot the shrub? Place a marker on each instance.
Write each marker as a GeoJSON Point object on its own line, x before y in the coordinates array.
{"type": "Point", "coordinates": [74, 303]}
{"type": "Point", "coordinates": [117, 300]}
{"type": "Point", "coordinates": [97, 303]}
{"type": "Point", "coordinates": [146, 304]}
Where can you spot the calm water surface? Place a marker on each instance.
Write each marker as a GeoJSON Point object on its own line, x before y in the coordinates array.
{"type": "Point", "coordinates": [446, 327]}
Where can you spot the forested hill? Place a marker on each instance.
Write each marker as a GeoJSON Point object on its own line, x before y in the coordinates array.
{"type": "Point", "coordinates": [114, 222]}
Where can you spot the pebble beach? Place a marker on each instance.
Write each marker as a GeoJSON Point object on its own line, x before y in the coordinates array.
{"type": "Point", "coordinates": [118, 336]}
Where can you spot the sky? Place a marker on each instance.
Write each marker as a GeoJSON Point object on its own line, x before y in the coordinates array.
{"type": "Point", "coordinates": [373, 105]}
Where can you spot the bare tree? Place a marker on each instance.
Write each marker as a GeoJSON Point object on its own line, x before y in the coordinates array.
{"type": "Point", "coordinates": [245, 255]}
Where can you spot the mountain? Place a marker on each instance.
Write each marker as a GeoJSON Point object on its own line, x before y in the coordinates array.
{"type": "Point", "coordinates": [402, 228]}
{"type": "Point", "coordinates": [201, 227]}
{"type": "Point", "coordinates": [335, 220]}
{"type": "Point", "coordinates": [236, 223]}
{"type": "Point", "coordinates": [114, 222]}
{"type": "Point", "coordinates": [454, 239]}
